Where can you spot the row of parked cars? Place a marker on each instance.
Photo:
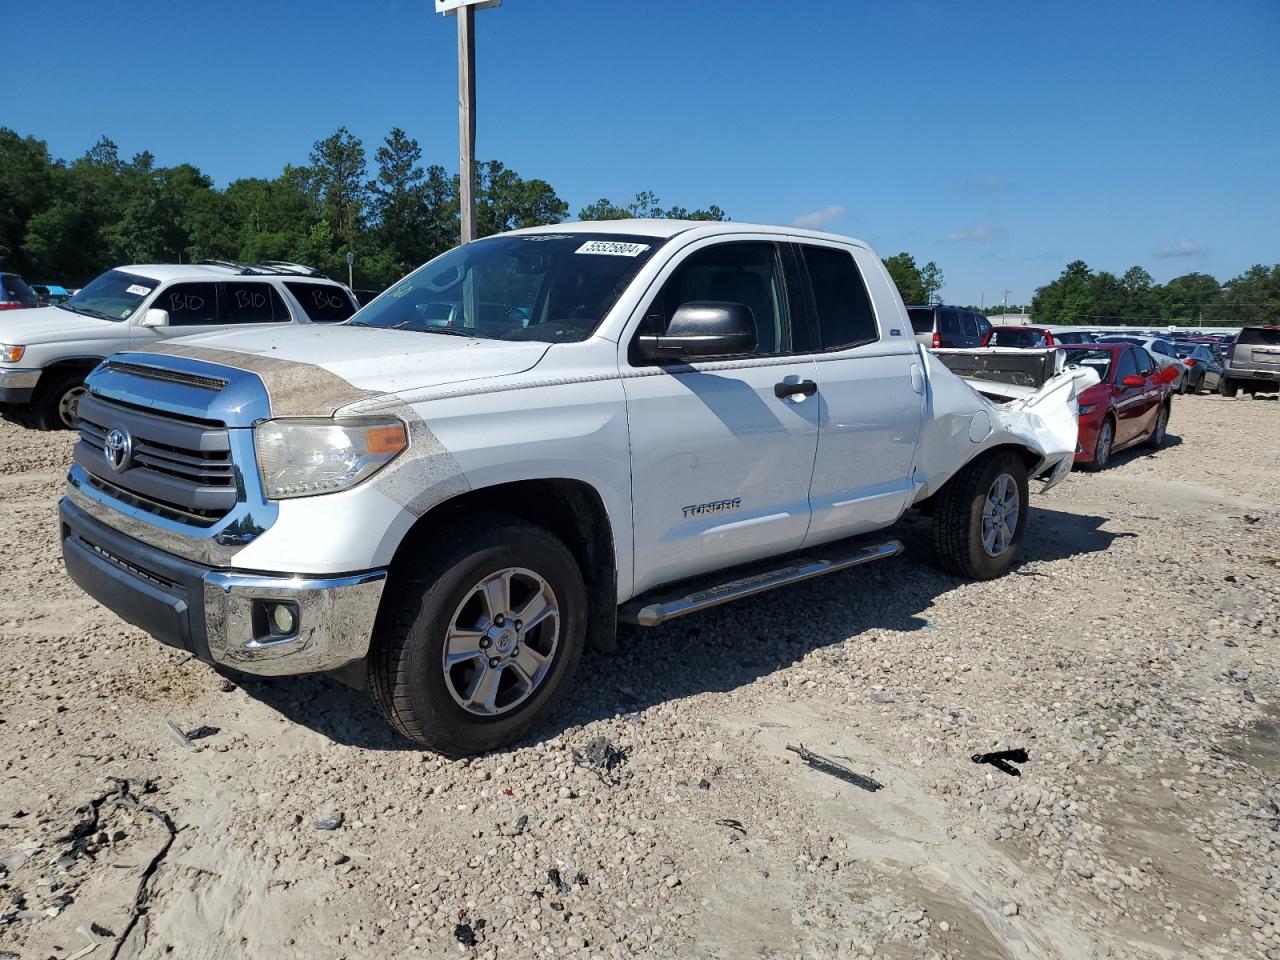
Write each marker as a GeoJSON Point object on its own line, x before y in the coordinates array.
{"type": "Point", "coordinates": [1138, 370]}
{"type": "Point", "coordinates": [17, 294]}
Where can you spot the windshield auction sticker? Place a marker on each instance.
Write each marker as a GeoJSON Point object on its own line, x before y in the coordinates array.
{"type": "Point", "coordinates": [612, 248]}
{"type": "Point", "coordinates": [137, 290]}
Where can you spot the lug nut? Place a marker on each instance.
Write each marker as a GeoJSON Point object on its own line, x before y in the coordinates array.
{"type": "Point", "coordinates": [499, 620]}
{"type": "Point", "coordinates": [493, 661]}
{"type": "Point", "coordinates": [519, 625]}
{"type": "Point", "coordinates": [485, 643]}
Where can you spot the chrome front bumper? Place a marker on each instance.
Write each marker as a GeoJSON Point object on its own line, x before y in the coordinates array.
{"type": "Point", "coordinates": [334, 614]}
{"type": "Point", "coordinates": [218, 615]}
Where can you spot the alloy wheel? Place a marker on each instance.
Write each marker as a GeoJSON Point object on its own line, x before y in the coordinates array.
{"type": "Point", "coordinates": [501, 641]}
{"type": "Point", "coordinates": [1000, 515]}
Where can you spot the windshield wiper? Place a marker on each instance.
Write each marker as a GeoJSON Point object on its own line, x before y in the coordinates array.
{"type": "Point", "coordinates": [83, 311]}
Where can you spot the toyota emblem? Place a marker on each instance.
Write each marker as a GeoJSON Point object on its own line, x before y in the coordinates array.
{"type": "Point", "coordinates": [118, 449]}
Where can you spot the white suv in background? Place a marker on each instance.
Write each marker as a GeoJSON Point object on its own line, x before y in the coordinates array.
{"type": "Point", "coordinates": [46, 353]}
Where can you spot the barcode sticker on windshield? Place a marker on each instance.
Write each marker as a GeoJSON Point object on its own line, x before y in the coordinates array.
{"type": "Point", "coordinates": [612, 248]}
{"type": "Point", "coordinates": [137, 291]}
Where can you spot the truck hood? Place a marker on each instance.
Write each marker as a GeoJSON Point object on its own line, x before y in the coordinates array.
{"type": "Point", "coordinates": [373, 361]}
{"type": "Point", "coordinates": [43, 324]}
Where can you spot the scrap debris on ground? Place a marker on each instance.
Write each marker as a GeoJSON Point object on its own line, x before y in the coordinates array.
{"type": "Point", "coordinates": [1133, 658]}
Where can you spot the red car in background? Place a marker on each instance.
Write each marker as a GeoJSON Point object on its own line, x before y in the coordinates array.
{"type": "Point", "coordinates": [1023, 337]}
{"type": "Point", "coordinates": [1128, 407]}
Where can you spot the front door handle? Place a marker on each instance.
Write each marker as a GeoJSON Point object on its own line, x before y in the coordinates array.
{"type": "Point", "coordinates": [805, 388]}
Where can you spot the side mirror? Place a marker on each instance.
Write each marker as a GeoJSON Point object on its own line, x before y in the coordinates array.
{"type": "Point", "coordinates": [703, 328]}
{"type": "Point", "coordinates": [155, 318]}
{"type": "Point", "coordinates": [1132, 381]}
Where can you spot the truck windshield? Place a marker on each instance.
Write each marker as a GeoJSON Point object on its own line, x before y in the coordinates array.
{"type": "Point", "coordinates": [113, 296]}
{"type": "Point", "coordinates": [549, 287]}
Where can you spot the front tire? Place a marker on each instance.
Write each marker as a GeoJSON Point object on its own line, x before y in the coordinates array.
{"type": "Point", "coordinates": [1227, 387]}
{"type": "Point", "coordinates": [1102, 446]}
{"type": "Point", "coordinates": [58, 402]}
{"type": "Point", "coordinates": [1161, 430]}
{"type": "Point", "coordinates": [980, 516]}
{"type": "Point", "coordinates": [480, 643]}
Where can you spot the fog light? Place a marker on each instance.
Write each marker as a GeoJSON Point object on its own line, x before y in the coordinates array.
{"type": "Point", "coordinates": [284, 621]}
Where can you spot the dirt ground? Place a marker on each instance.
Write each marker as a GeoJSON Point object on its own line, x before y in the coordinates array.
{"type": "Point", "coordinates": [1131, 653]}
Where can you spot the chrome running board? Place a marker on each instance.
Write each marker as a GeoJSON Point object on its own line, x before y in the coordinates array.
{"type": "Point", "coordinates": [652, 611]}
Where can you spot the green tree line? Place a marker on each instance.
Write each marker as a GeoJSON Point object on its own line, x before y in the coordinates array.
{"type": "Point", "coordinates": [67, 221]}
{"type": "Point", "coordinates": [1081, 296]}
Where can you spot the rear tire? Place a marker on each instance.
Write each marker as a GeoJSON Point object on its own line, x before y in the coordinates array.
{"type": "Point", "coordinates": [980, 516]}
{"type": "Point", "coordinates": [56, 402]}
{"type": "Point", "coordinates": [1102, 451]}
{"type": "Point", "coordinates": [449, 709]}
{"type": "Point", "coordinates": [1227, 387]}
{"type": "Point", "coordinates": [1160, 432]}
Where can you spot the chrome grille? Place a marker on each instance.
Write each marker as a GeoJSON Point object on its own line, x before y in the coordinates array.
{"type": "Point", "coordinates": [180, 468]}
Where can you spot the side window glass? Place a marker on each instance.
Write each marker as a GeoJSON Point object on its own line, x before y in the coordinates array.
{"type": "Point", "coordinates": [840, 296]}
{"type": "Point", "coordinates": [190, 304]}
{"type": "Point", "coordinates": [949, 322]}
{"type": "Point", "coordinates": [1146, 365]}
{"type": "Point", "coordinates": [746, 273]}
{"type": "Point", "coordinates": [971, 326]}
{"type": "Point", "coordinates": [1127, 367]}
{"type": "Point", "coordinates": [323, 302]}
{"type": "Point", "coordinates": [252, 303]}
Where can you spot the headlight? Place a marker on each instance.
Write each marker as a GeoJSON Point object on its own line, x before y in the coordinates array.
{"type": "Point", "coordinates": [11, 354]}
{"type": "Point", "coordinates": [302, 458]}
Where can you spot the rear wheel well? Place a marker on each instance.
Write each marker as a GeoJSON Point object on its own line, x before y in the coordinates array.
{"type": "Point", "coordinates": [569, 509]}
{"type": "Point", "coordinates": [1030, 460]}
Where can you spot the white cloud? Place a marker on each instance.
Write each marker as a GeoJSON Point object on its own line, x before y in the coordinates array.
{"type": "Point", "coordinates": [816, 219]}
{"type": "Point", "coordinates": [1182, 247]}
{"type": "Point", "coordinates": [982, 233]}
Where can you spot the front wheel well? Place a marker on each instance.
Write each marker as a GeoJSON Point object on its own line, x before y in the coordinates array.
{"type": "Point", "coordinates": [571, 510]}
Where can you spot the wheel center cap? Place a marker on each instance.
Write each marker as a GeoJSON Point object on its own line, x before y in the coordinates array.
{"type": "Point", "coordinates": [505, 641]}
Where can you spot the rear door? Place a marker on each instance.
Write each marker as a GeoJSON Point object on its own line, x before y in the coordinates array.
{"type": "Point", "coordinates": [950, 328]}
{"type": "Point", "coordinates": [870, 413]}
{"type": "Point", "coordinates": [252, 303]}
{"type": "Point", "coordinates": [720, 462]}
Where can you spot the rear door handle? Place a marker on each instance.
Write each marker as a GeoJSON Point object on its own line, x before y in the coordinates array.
{"type": "Point", "coordinates": [805, 387]}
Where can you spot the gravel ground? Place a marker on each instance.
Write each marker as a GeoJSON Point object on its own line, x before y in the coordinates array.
{"type": "Point", "coordinates": [1131, 654]}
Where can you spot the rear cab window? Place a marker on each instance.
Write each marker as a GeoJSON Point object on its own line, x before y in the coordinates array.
{"type": "Point", "coordinates": [323, 302]}
{"type": "Point", "coordinates": [840, 298]}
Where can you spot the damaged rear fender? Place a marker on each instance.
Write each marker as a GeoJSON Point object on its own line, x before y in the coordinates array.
{"type": "Point", "coordinates": [961, 425]}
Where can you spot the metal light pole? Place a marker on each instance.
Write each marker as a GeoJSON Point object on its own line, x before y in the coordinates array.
{"type": "Point", "coordinates": [465, 11]}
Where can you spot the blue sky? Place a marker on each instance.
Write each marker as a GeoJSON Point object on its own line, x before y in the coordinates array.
{"type": "Point", "coordinates": [1001, 139]}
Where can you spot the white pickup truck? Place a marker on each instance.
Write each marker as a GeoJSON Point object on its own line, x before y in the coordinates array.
{"type": "Point", "coordinates": [530, 438]}
{"type": "Point", "coordinates": [46, 353]}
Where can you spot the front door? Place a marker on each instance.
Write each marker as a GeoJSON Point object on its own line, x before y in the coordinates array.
{"type": "Point", "coordinates": [1130, 402]}
{"type": "Point", "coordinates": [192, 309]}
{"type": "Point", "coordinates": [722, 451]}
